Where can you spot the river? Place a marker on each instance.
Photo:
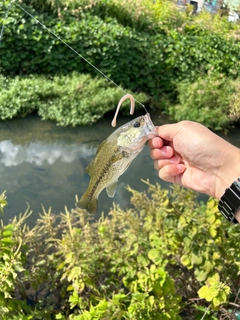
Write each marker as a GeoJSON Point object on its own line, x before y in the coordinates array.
{"type": "Point", "coordinates": [43, 164]}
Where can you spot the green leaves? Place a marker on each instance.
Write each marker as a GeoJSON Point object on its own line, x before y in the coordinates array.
{"type": "Point", "coordinates": [69, 100]}
{"type": "Point", "coordinates": [10, 266]}
{"type": "Point", "coordinates": [160, 256]}
{"type": "Point", "coordinates": [214, 291]}
{"type": "Point", "coordinates": [126, 42]}
{"type": "Point", "coordinates": [212, 100]}
{"type": "Point", "coordinates": [149, 262]}
{"type": "Point", "coordinates": [3, 201]}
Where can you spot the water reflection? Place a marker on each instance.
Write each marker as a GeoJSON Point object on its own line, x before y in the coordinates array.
{"type": "Point", "coordinates": [41, 163]}
{"type": "Point", "coordinates": [38, 153]}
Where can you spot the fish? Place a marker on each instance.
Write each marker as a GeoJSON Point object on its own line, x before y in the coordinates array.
{"type": "Point", "coordinates": [113, 157]}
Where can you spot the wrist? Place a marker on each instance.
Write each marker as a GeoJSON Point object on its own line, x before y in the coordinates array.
{"type": "Point", "coordinates": [228, 172]}
{"type": "Point", "coordinates": [228, 184]}
{"type": "Point", "coordinates": [229, 204]}
{"type": "Point", "coordinates": [237, 215]}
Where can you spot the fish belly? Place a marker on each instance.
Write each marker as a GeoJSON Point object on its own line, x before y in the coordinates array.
{"type": "Point", "coordinates": [107, 177]}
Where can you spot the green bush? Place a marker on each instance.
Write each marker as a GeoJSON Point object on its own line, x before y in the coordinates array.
{"type": "Point", "coordinates": [69, 100]}
{"type": "Point", "coordinates": [167, 257]}
{"type": "Point", "coordinates": [80, 100]}
{"type": "Point", "coordinates": [11, 264]}
{"type": "Point", "coordinates": [216, 23]}
{"type": "Point", "coordinates": [140, 60]}
{"type": "Point", "coordinates": [212, 100]}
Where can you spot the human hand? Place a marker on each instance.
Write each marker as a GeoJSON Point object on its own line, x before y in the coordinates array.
{"type": "Point", "coordinates": [189, 154]}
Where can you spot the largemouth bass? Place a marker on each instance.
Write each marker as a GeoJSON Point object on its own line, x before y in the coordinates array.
{"type": "Point", "coordinates": [113, 157]}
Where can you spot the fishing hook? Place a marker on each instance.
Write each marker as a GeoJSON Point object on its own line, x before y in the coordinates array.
{"type": "Point", "coordinates": [127, 96]}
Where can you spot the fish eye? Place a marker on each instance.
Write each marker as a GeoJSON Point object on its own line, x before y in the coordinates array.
{"type": "Point", "coordinates": [136, 124]}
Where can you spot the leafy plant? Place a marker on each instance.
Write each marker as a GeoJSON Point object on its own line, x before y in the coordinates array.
{"type": "Point", "coordinates": [11, 264]}
{"type": "Point", "coordinates": [152, 59]}
{"type": "Point", "coordinates": [167, 257]}
{"type": "Point", "coordinates": [212, 100]}
{"type": "Point", "coordinates": [3, 201]}
{"type": "Point", "coordinates": [69, 100]}
{"type": "Point", "coordinates": [214, 291]}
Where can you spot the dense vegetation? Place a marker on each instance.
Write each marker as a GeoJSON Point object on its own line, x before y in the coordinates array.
{"type": "Point", "coordinates": [216, 101]}
{"type": "Point", "coordinates": [70, 100]}
{"type": "Point", "coordinates": [168, 257]}
{"type": "Point", "coordinates": [142, 46]}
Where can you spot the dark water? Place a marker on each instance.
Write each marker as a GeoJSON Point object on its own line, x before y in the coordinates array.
{"type": "Point", "coordinates": [43, 164]}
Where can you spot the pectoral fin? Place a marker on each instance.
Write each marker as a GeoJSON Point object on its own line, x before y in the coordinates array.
{"type": "Point", "coordinates": [111, 190]}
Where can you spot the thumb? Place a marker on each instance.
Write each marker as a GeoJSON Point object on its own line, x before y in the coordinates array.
{"type": "Point", "coordinates": [168, 131]}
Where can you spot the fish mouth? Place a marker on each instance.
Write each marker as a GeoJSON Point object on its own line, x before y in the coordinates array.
{"type": "Point", "coordinates": [149, 127]}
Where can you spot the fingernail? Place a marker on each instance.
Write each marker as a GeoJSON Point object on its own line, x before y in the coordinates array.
{"type": "Point", "coordinates": [181, 167]}
{"type": "Point", "coordinates": [166, 151]}
{"type": "Point", "coordinates": [174, 159]}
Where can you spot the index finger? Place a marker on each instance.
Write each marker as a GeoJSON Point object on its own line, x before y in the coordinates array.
{"type": "Point", "coordinates": [156, 143]}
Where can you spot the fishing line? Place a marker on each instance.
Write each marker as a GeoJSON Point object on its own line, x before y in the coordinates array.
{"type": "Point", "coordinates": [5, 18]}
{"type": "Point", "coordinates": [76, 52]}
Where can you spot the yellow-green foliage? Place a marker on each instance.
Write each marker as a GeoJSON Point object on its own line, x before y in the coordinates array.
{"type": "Point", "coordinates": [3, 201]}
{"type": "Point", "coordinates": [160, 12]}
{"type": "Point", "coordinates": [234, 111]}
{"type": "Point", "coordinates": [164, 12]}
{"type": "Point", "coordinates": [216, 101]}
{"type": "Point", "coordinates": [216, 23]}
{"type": "Point", "coordinates": [166, 257]}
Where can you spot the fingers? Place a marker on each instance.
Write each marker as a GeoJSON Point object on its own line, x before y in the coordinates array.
{"type": "Point", "coordinates": [165, 152]}
{"type": "Point", "coordinates": [159, 164]}
{"type": "Point", "coordinates": [156, 142]}
{"type": "Point", "coordinates": [167, 161]}
{"type": "Point", "coordinates": [171, 172]}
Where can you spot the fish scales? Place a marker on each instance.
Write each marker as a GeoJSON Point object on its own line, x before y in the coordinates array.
{"type": "Point", "coordinates": [103, 172]}
{"type": "Point", "coordinates": [113, 157]}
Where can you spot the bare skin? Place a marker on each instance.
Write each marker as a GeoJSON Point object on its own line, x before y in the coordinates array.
{"type": "Point", "coordinates": [189, 154]}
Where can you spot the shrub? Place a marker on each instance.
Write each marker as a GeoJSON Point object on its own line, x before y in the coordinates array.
{"type": "Point", "coordinates": [11, 264]}
{"type": "Point", "coordinates": [234, 111]}
{"type": "Point", "coordinates": [138, 59]}
{"type": "Point", "coordinates": [215, 23]}
{"type": "Point", "coordinates": [69, 100]}
{"type": "Point", "coordinates": [166, 257]}
{"type": "Point", "coordinates": [212, 100]}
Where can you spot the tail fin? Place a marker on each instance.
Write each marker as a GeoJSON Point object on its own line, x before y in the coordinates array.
{"type": "Point", "coordinates": [91, 205]}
